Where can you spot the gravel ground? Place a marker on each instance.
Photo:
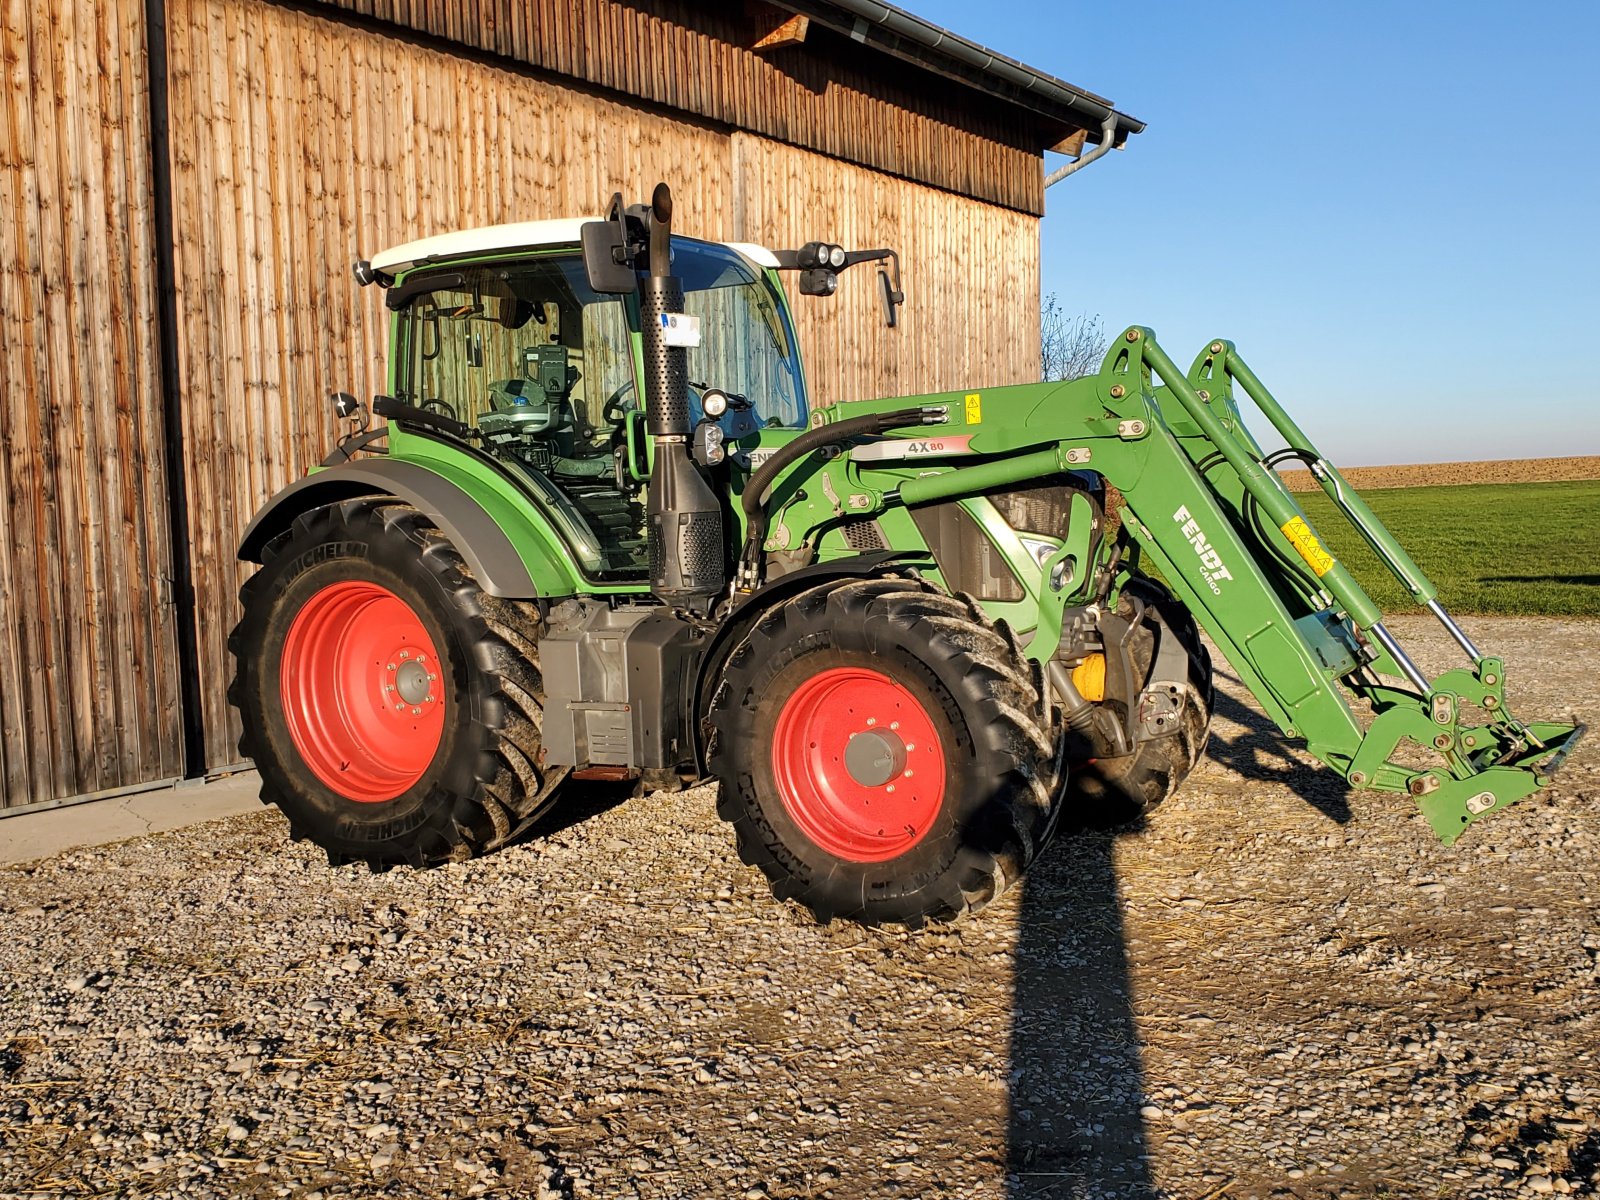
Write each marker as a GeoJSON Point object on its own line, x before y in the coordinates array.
{"type": "Point", "coordinates": [1278, 989]}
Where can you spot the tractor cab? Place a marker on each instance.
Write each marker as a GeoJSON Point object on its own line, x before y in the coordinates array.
{"type": "Point", "coordinates": [499, 330]}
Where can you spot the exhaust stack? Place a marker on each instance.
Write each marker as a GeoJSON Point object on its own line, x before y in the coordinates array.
{"type": "Point", "coordinates": [687, 558]}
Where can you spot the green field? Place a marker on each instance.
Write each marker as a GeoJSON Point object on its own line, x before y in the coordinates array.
{"type": "Point", "coordinates": [1532, 548]}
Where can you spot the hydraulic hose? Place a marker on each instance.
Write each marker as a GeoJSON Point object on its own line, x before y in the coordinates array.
{"type": "Point", "coordinates": [757, 490]}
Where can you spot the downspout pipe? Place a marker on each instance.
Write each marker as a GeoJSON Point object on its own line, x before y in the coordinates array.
{"type": "Point", "coordinates": [1108, 136]}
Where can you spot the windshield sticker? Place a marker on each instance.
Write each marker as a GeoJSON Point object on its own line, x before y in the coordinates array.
{"type": "Point", "coordinates": [1211, 568]}
{"type": "Point", "coordinates": [680, 329]}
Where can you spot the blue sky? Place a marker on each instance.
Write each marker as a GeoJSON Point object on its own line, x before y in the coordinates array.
{"type": "Point", "coordinates": [1392, 209]}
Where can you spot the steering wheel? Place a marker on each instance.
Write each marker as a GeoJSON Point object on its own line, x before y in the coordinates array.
{"type": "Point", "coordinates": [612, 410]}
{"type": "Point", "coordinates": [621, 402]}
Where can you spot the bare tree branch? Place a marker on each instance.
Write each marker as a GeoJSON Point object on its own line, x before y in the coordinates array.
{"type": "Point", "coordinates": [1069, 347]}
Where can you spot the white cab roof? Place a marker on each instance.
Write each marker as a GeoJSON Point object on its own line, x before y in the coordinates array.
{"type": "Point", "coordinates": [562, 232]}
{"type": "Point", "coordinates": [486, 240]}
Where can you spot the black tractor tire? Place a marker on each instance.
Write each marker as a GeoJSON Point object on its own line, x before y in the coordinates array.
{"type": "Point", "coordinates": [1104, 793]}
{"type": "Point", "coordinates": [879, 656]}
{"type": "Point", "coordinates": [419, 752]}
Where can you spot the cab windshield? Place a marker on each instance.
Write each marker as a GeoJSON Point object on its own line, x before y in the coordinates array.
{"type": "Point", "coordinates": [544, 370]}
{"type": "Point", "coordinates": [746, 345]}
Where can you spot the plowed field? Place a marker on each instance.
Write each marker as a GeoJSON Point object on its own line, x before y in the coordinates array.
{"type": "Point", "coordinates": [1509, 470]}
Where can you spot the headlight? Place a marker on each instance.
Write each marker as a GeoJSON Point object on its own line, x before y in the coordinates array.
{"type": "Point", "coordinates": [836, 257]}
{"type": "Point", "coordinates": [714, 402]}
{"type": "Point", "coordinates": [1040, 548]}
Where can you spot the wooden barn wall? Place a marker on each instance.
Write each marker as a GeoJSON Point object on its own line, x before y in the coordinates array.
{"type": "Point", "coordinates": [88, 662]}
{"type": "Point", "coordinates": [970, 272]}
{"type": "Point", "coordinates": [828, 94]}
{"type": "Point", "coordinates": [299, 143]}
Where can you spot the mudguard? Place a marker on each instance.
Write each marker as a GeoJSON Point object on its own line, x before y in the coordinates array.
{"type": "Point", "coordinates": [495, 562]}
{"type": "Point", "coordinates": [738, 623]}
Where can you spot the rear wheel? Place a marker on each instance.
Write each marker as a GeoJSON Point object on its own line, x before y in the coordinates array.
{"type": "Point", "coordinates": [392, 708]}
{"type": "Point", "coordinates": [1106, 792]}
{"type": "Point", "coordinates": [882, 754]}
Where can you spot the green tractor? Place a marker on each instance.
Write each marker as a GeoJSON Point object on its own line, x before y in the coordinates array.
{"type": "Point", "coordinates": [602, 536]}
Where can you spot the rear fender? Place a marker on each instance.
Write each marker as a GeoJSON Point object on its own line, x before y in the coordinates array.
{"type": "Point", "coordinates": [510, 556]}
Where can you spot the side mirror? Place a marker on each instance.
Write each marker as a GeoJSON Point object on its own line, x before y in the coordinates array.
{"type": "Point", "coordinates": [820, 264]}
{"type": "Point", "coordinates": [893, 297]}
{"type": "Point", "coordinates": [610, 251]}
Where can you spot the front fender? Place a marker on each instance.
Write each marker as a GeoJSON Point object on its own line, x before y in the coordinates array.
{"type": "Point", "coordinates": [742, 619]}
{"type": "Point", "coordinates": [497, 564]}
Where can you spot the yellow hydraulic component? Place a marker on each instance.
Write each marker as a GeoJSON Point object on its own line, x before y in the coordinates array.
{"type": "Point", "coordinates": [1089, 677]}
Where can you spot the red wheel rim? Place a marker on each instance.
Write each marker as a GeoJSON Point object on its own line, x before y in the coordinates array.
{"type": "Point", "coordinates": [860, 800]}
{"type": "Point", "coordinates": [363, 692]}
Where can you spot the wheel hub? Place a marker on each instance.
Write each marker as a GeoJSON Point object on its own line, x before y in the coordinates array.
{"type": "Point", "coordinates": [361, 690]}
{"type": "Point", "coordinates": [412, 681]}
{"type": "Point", "coordinates": [858, 764]}
{"type": "Point", "coordinates": [875, 757]}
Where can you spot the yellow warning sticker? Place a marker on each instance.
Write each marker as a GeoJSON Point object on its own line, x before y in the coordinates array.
{"type": "Point", "coordinates": [974, 408]}
{"type": "Point", "coordinates": [1303, 540]}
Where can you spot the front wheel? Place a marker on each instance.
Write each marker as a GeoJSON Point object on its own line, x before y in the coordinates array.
{"type": "Point", "coordinates": [1106, 792]}
{"type": "Point", "coordinates": [393, 709]}
{"type": "Point", "coordinates": [881, 753]}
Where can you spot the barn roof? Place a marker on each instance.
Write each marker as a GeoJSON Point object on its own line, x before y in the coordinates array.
{"type": "Point", "coordinates": [912, 39]}
{"type": "Point", "coordinates": [857, 80]}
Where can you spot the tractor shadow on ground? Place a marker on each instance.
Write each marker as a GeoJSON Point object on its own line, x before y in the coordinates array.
{"type": "Point", "coordinates": [1245, 740]}
{"type": "Point", "coordinates": [579, 801]}
{"type": "Point", "coordinates": [1077, 1080]}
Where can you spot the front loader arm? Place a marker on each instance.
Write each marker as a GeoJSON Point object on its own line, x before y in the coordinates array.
{"type": "Point", "coordinates": [1204, 502]}
{"type": "Point", "coordinates": [1322, 630]}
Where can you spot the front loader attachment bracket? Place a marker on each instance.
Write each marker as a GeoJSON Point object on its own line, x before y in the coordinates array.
{"type": "Point", "coordinates": [1291, 616]}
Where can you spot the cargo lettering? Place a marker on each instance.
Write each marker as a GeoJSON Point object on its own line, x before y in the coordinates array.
{"type": "Point", "coordinates": [1212, 569]}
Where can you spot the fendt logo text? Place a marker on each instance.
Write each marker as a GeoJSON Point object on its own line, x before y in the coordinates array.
{"type": "Point", "coordinates": [1211, 568]}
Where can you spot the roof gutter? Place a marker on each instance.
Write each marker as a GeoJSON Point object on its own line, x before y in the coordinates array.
{"type": "Point", "coordinates": [910, 37]}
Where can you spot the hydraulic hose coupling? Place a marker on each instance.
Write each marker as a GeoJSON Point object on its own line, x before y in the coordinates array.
{"type": "Point", "coordinates": [687, 564]}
